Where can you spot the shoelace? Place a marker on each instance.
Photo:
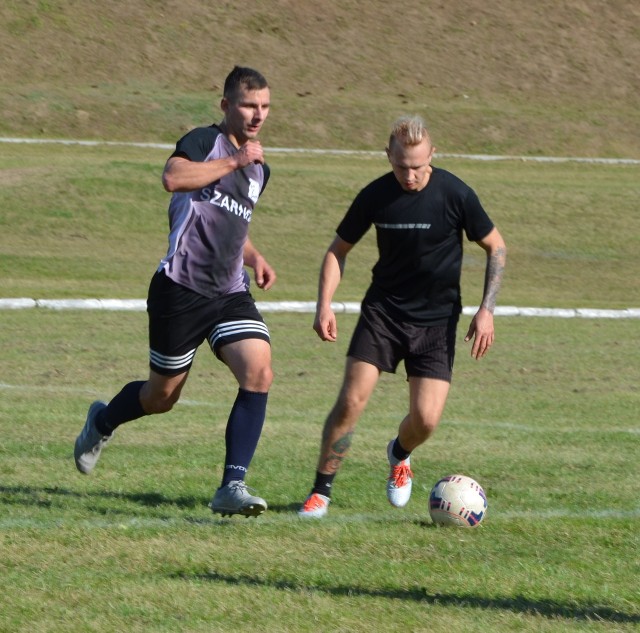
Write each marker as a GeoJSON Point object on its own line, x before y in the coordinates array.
{"type": "Point", "coordinates": [240, 487]}
{"type": "Point", "coordinates": [400, 475]}
{"type": "Point", "coordinates": [314, 502]}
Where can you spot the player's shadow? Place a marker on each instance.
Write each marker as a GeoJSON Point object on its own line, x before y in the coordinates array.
{"type": "Point", "coordinates": [519, 604]}
{"type": "Point", "coordinates": [284, 508]}
{"type": "Point", "coordinates": [43, 497]}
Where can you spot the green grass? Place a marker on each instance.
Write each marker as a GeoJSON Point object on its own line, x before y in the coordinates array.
{"type": "Point", "coordinates": [97, 225]}
{"type": "Point", "coordinates": [547, 422]}
{"type": "Point", "coordinates": [516, 78]}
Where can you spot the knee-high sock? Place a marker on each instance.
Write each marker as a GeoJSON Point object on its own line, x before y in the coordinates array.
{"type": "Point", "coordinates": [243, 432]}
{"type": "Point", "coordinates": [124, 407]}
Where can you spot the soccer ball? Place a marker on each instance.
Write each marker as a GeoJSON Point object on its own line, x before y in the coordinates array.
{"type": "Point", "coordinates": [457, 500]}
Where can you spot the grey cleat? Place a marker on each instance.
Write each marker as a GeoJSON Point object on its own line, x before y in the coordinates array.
{"type": "Point", "coordinates": [90, 442]}
{"type": "Point", "coordinates": [234, 498]}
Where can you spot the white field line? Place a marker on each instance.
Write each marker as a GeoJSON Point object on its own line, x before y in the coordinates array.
{"type": "Point", "coordinates": [273, 518]}
{"type": "Point", "coordinates": [308, 307]}
{"type": "Point", "coordinates": [483, 424]}
{"type": "Point", "coordinates": [89, 392]}
{"type": "Point", "coordinates": [334, 152]}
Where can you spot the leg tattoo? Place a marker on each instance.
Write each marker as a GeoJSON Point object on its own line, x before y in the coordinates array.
{"type": "Point", "coordinates": [337, 452]}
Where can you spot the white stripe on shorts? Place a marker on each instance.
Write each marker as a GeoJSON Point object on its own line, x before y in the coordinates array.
{"type": "Point", "coordinates": [232, 328]}
{"type": "Point", "coordinates": [172, 362]}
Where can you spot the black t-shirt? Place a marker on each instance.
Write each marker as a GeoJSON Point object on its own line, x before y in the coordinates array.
{"type": "Point", "coordinates": [419, 235]}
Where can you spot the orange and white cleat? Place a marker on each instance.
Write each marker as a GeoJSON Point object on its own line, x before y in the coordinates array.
{"type": "Point", "coordinates": [399, 480]}
{"type": "Point", "coordinates": [315, 506]}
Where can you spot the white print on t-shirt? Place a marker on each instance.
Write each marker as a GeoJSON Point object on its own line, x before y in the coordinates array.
{"type": "Point", "coordinates": [254, 190]}
{"type": "Point", "coordinates": [227, 202]}
{"type": "Point", "coordinates": [382, 225]}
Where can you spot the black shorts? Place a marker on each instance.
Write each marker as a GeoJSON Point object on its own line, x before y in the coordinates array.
{"type": "Point", "coordinates": [427, 351]}
{"type": "Point", "coordinates": [180, 320]}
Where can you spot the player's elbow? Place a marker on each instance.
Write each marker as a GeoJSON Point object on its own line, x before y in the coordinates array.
{"type": "Point", "coordinates": [169, 182]}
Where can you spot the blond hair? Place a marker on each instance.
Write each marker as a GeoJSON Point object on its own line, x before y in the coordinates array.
{"type": "Point", "coordinates": [409, 130]}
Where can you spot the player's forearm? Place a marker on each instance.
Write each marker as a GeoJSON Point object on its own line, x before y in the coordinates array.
{"type": "Point", "coordinates": [330, 276]}
{"type": "Point", "coordinates": [181, 174]}
{"type": "Point", "coordinates": [496, 260]}
{"type": "Point", "coordinates": [250, 254]}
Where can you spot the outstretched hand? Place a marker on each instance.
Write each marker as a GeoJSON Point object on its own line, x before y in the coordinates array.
{"type": "Point", "coordinates": [482, 332]}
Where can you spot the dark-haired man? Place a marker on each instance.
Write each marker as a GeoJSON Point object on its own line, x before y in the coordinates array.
{"type": "Point", "coordinates": [200, 290]}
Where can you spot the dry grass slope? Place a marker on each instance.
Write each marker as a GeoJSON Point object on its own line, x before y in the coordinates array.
{"type": "Point", "coordinates": [503, 77]}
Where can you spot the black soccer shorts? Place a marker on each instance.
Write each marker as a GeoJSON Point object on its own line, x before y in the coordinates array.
{"type": "Point", "coordinates": [427, 351]}
{"type": "Point", "coordinates": [180, 319]}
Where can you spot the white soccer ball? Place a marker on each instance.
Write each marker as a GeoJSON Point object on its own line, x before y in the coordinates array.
{"type": "Point", "coordinates": [457, 500]}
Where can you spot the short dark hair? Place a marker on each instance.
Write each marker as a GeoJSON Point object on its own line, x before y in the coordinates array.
{"type": "Point", "coordinates": [242, 76]}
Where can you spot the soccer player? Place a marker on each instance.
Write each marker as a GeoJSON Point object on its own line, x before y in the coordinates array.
{"type": "Point", "coordinates": [200, 290]}
{"type": "Point", "coordinates": [411, 309]}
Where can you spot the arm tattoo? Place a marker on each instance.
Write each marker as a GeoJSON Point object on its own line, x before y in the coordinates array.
{"type": "Point", "coordinates": [493, 278]}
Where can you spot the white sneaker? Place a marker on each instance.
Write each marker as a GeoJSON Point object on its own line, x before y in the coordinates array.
{"type": "Point", "coordinates": [399, 480]}
{"type": "Point", "coordinates": [234, 498]}
{"type": "Point", "coordinates": [315, 506]}
{"type": "Point", "coordinates": [90, 442]}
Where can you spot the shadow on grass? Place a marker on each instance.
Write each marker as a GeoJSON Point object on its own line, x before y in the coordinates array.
{"type": "Point", "coordinates": [43, 497]}
{"type": "Point", "coordinates": [52, 496]}
{"type": "Point", "coordinates": [517, 604]}
{"type": "Point", "coordinates": [285, 508]}
{"type": "Point", "coordinates": [25, 495]}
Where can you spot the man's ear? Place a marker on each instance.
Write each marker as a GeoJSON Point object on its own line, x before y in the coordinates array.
{"type": "Point", "coordinates": [224, 104]}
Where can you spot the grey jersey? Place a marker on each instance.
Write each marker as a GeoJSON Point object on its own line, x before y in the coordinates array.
{"type": "Point", "coordinates": [209, 226]}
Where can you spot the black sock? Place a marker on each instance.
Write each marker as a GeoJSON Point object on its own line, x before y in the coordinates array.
{"type": "Point", "coordinates": [124, 407]}
{"type": "Point", "coordinates": [323, 483]}
{"type": "Point", "coordinates": [243, 432]}
{"type": "Point", "coordinates": [398, 452]}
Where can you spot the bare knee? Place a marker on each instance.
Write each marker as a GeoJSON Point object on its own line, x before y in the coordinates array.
{"type": "Point", "coordinates": [161, 405]}
{"type": "Point", "coordinates": [349, 407]}
{"type": "Point", "coordinates": [158, 400]}
{"type": "Point", "coordinates": [258, 379]}
{"type": "Point", "coordinates": [424, 425]}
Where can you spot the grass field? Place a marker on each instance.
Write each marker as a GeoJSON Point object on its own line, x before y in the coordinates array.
{"type": "Point", "coordinates": [509, 77]}
{"type": "Point", "coordinates": [547, 423]}
{"type": "Point", "coordinates": [95, 226]}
